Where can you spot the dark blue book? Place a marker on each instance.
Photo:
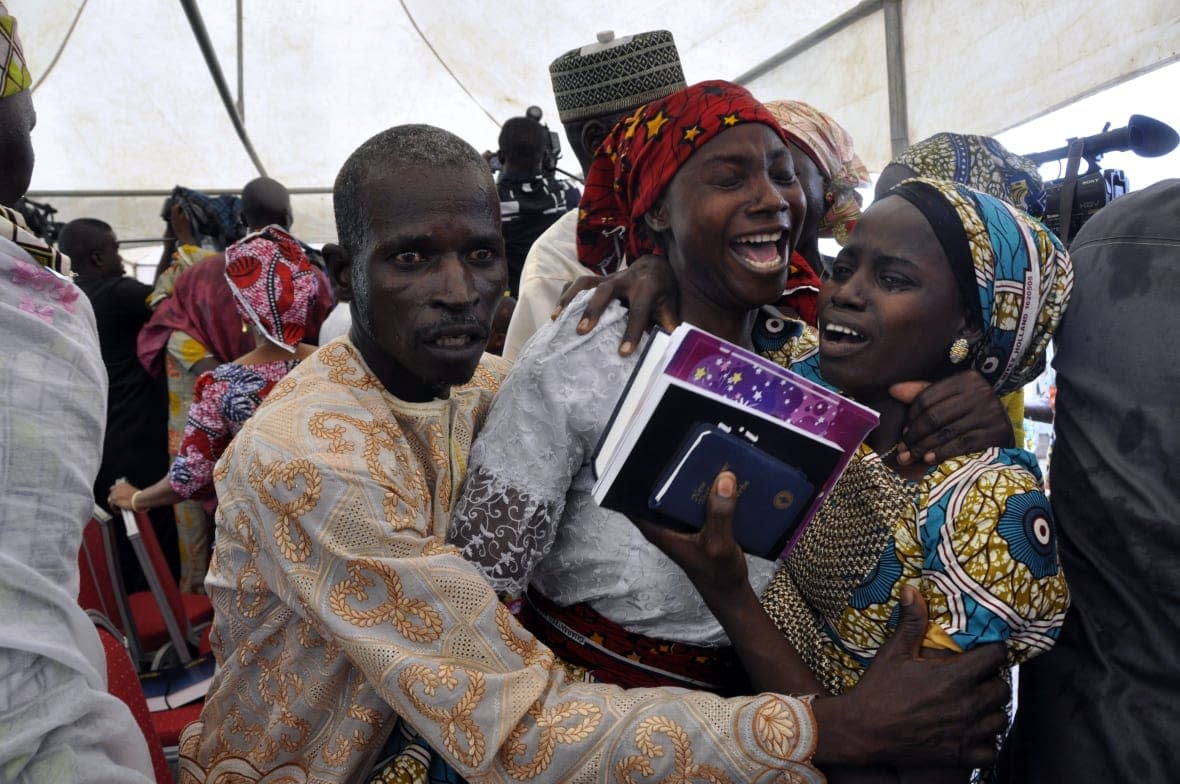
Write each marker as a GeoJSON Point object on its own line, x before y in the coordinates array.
{"type": "Point", "coordinates": [772, 495]}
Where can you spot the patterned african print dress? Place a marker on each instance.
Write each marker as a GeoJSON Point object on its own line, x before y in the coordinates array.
{"type": "Point", "coordinates": [223, 399]}
{"type": "Point", "coordinates": [975, 535]}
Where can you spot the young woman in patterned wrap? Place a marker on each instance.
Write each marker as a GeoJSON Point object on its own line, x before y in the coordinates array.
{"type": "Point", "coordinates": [934, 277]}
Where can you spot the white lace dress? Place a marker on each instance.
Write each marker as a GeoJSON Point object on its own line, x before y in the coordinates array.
{"type": "Point", "coordinates": [526, 514]}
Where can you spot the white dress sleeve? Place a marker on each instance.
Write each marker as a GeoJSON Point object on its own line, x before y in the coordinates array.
{"type": "Point", "coordinates": [544, 425]}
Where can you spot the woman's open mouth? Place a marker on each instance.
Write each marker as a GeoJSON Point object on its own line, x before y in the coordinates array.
{"type": "Point", "coordinates": [839, 340]}
{"type": "Point", "coordinates": [760, 252]}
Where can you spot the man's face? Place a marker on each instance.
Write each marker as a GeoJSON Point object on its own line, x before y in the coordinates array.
{"type": "Point", "coordinates": [585, 136]}
{"type": "Point", "coordinates": [428, 277]}
{"type": "Point", "coordinates": [107, 259]}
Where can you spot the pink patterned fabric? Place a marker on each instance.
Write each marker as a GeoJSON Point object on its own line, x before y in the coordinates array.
{"type": "Point", "coordinates": [827, 143]}
{"type": "Point", "coordinates": [273, 283]}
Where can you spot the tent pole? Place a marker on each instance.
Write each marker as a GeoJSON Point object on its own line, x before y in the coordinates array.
{"type": "Point", "coordinates": [241, 69]}
{"type": "Point", "coordinates": [899, 131]}
{"type": "Point", "coordinates": [202, 35]}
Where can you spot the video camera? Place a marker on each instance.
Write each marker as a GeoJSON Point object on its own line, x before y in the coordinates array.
{"type": "Point", "coordinates": [1094, 190]}
{"type": "Point", "coordinates": [39, 218]}
{"type": "Point", "coordinates": [1078, 198]}
{"type": "Point", "coordinates": [552, 147]}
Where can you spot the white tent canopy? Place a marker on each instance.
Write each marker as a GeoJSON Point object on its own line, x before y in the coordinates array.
{"type": "Point", "coordinates": [127, 107]}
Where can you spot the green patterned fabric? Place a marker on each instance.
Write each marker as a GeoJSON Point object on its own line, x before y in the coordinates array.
{"type": "Point", "coordinates": [16, 71]}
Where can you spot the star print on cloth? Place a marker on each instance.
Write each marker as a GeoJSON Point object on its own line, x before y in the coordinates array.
{"type": "Point", "coordinates": [656, 124]}
{"type": "Point", "coordinates": [631, 124]}
{"type": "Point", "coordinates": [640, 157]}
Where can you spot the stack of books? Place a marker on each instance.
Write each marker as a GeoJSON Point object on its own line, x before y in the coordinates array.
{"type": "Point", "coordinates": [697, 405]}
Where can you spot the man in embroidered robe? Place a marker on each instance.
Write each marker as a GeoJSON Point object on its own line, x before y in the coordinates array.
{"type": "Point", "coordinates": [346, 630]}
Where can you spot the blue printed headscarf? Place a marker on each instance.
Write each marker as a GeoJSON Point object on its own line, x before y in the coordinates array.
{"type": "Point", "coordinates": [1022, 274]}
{"type": "Point", "coordinates": [982, 163]}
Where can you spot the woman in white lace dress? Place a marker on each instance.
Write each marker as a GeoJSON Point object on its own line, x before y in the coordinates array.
{"type": "Point", "coordinates": [703, 177]}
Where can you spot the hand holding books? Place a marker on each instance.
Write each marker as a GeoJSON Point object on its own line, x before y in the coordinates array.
{"type": "Point", "coordinates": [711, 557]}
{"type": "Point", "coordinates": [696, 405]}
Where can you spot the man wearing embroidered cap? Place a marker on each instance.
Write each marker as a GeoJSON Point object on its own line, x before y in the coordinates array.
{"type": "Point", "coordinates": [594, 86]}
{"type": "Point", "coordinates": [57, 720]}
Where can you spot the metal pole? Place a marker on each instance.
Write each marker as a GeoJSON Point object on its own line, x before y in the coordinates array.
{"type": "Point", "coordinates": [899, 126]}
{"type": "Point", "coordinates": [202, 35]}
{"type": "Point", "coordinates": [138, 193]}
{"type": "Point", "coordinates": [241, 69]}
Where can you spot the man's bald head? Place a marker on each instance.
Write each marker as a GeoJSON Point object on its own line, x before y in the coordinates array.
{"type": "Point", "coordinates": [265, 202]}
{"type": "Point", "coordinates": [394, 149]}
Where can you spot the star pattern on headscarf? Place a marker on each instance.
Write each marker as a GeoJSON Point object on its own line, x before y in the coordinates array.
{"type": "Point", "coordinates": [642, 153]}
{"type": "Point", "coordinates": [631, 123]}
{"type": "Point", "coordinates": [656, 124]}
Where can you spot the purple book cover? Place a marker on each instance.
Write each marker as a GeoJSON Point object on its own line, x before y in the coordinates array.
{"type": "Point", "coordinates": [708, 362]}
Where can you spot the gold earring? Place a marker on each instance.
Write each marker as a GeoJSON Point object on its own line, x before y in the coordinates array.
{"type": "Point", "coordinates": [959, 351]}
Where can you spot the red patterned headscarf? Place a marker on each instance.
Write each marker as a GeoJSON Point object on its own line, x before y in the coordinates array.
{"type": "Point", "coordinates": [640, 157]}
{"type": "Point", "coordinates": [274, 285]}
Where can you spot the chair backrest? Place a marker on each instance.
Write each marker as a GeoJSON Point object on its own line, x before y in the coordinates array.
{"type": "Point", "coordinates": [123, 682]}
{"type": "Point", "coordinates": [160, 580]}
{"type": "Point", "coordinates": [95, 589]}
{"type": "Point", "coordinates": [101, 586]}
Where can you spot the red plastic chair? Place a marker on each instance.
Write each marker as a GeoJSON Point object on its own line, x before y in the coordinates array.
{"type": "Point", "coordinates": [123, 682]}
{"type": "Point", "coordinates": [163, 614]}
{"type": "Point", "coordinates": [101, 584]}
{"type": "Point", "coordinates": [95, 591]}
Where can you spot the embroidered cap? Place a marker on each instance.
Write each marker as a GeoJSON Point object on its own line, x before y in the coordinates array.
{"type": "Point", "coordinates": [614, 75]}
